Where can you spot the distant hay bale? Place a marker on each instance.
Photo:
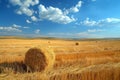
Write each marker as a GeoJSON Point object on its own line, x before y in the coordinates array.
{"type": "Point", "coordinates": [76, 43]}
{"type": "Point", "coordinates": [49, 42]}
{"type": "Point", "coordinates": [39, 59]}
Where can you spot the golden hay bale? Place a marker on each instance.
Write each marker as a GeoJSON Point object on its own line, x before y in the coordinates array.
{"type": "Point", "coordinates": [39, 59]}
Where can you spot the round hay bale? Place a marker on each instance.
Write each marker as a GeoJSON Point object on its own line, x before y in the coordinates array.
{"type": "Point", "coordinates": [39, 59]}
{"type": "Point", "coordinates": [76, 43]}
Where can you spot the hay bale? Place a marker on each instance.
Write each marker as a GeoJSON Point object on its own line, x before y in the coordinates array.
{"type": "Point", "coordinates": [76, 43]}
{"type": "Point", "coordinates": [39, 59]}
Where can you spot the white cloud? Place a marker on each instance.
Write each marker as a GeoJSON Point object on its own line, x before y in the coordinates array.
{"type": "Point", "coordinates": [50, 13]}
{"type": "Point", "coordinates": [25, 10]}
{"type": "Point", "coordinates": [54, 15]}
{"type": "Point", "coordinates": [16, 26]}
{"type": "Point", "coordinates": [24, 6]}
{"type": "Point", "coordinates": [111, 20]}
{"type": "Point", "coordinates": [37, 31]}
{"type": "Point", "coordinates": [25, 3]}
{"type": "Point", "coordinates": [34, 18]}
{"type": "Point", "coordinates": [16, 2]}
{"type": "Point", "coordinates": [95, 30]}
{"type": "Point", "coordinates": [76, 7]}
{"type": "Point", "coordinates": [102, 22]}
{"type": "Point", "coordinates": [89, 22]}
{"type": "Point", "coordinates": [28, 21]}
{"type": "Point", "coordinates": [10, 29]}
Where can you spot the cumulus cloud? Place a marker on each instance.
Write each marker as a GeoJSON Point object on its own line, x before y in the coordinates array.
{"type": "Point", "coordinates": [28, 21]}
{"type": "Point", "coordinates": [50, 13]}
{"type": "Point", "coordinates": [33, 18]}
{"type": "Point", "coordinates": [89, 22]}
{"type": "Point", "coordinates": [76, 7]}
{"type": "Point", "coordinates": [16, 26]}
{"type": "Point", "coordinates": [24, 6]}
{"type": "Point", "coordinates": [25, 10]}
{"type": "Point", "coordinates": [102, 22]}
{"type": "Point", "coordinates": [54, 15]}
{"type": "Point", "coordinates": [37, 31]}
{"type": "Point", "coordinates": [10, 29]}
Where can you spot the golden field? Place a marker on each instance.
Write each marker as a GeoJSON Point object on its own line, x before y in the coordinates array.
{"type": "Point", "coordinates": [74, 59]}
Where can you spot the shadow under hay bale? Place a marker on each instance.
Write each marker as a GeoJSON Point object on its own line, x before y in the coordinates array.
{"type": "Point", "coordinates": [39, 59]}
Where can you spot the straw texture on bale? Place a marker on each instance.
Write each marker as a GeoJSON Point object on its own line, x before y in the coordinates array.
{"type": "Point", "coordinates": [39, 59]}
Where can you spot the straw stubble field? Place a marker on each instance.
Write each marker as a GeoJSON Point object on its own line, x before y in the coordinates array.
{"type": "Point", "coordinates": [74, 60]}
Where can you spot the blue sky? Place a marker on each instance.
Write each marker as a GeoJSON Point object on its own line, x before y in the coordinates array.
{"type": "Point", "coordinates": [60, 18]}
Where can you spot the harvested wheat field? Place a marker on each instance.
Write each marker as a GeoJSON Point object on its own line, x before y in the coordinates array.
{"type": "Point", "coordinates": [57, 59]}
